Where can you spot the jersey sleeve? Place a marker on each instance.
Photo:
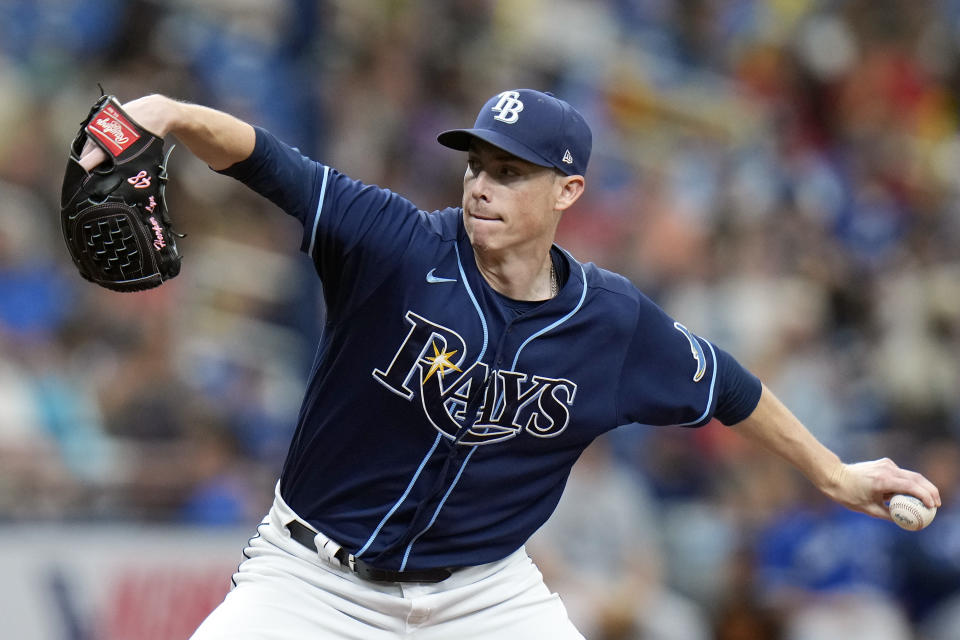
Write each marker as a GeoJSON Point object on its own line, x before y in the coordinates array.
{"type": "Point", "coordinates": [672, 376]}
{"type": "Point", "coordinates": [353, 232]}
{"type": "Point", "coordinates": [279, 173]}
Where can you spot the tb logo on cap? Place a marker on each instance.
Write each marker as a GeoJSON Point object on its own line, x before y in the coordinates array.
{"type": "Point", "coordinates": [508, 107]}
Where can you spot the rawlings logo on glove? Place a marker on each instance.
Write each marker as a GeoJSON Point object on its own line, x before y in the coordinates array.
{"type": "Point", "coordinates": [112, 129]}
{"type": "Point", "coordinates": [114, 218]}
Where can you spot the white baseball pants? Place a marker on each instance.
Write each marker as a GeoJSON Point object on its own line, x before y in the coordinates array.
{"type": "Point", "coordinates": [284, 591]}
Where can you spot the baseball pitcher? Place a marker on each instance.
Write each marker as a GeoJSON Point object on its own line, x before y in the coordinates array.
{"type": "Point", "coordinates": [465, 364]}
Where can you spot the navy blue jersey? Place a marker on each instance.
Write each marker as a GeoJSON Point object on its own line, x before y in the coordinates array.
{"type": "Point", "coordinates": [440, 422]}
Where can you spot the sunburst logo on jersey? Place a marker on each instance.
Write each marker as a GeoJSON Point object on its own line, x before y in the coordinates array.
{"type": "Point", "coordinates": [440, 362]}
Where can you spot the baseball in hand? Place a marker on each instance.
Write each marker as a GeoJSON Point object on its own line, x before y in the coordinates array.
{"type": "Point", "coordinates": [910, 513]}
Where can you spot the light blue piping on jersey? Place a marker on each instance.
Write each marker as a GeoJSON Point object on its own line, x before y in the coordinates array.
{"type": "Point", "coordinates": [406, 553]}
{"type": "Point", "coordinates": [713, 381]}
{"type": "Point", "coordinates": [516, 358]}
{"type": "Point", "coordinates": [583, 296]}
{"type": "Point", "coordinates": [473, 299]}
{"type": "Point", "coordinates": [376, 532]}
{"type": "Point", "coordinates": [316, 218]}
{"type": "Point", "coordinates": [423, 462]}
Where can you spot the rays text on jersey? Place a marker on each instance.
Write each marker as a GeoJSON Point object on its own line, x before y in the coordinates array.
{"type": "Point", "coordinates": [470, 403]}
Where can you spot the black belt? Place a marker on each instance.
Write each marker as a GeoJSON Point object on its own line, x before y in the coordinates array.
{"type": "Point", "coordinates": [305, 536]}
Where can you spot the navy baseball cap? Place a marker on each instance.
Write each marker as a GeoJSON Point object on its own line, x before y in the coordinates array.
{"type": "Point", "coordinates": [535, 126]}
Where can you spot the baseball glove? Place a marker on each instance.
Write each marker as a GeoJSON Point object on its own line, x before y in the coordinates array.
{"type": "Point", "coordinates": [114, 218]}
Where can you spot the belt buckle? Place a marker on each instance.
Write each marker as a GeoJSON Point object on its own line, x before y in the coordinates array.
{"type": "Point", "coordinates": [346, 560]}
{"type": "Point", "coordinates": [306, 536]}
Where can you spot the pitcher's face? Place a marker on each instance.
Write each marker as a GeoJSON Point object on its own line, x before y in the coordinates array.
{"type": "Point", "coordinates": [508, 201]}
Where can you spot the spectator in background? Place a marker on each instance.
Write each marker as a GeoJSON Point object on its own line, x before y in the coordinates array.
{"type": "Point", "coordinates": [830, 575]}
{"type": "Point", "coordinates": [928, 567]}
{"type": "Point", "coordinates": [601, 551]}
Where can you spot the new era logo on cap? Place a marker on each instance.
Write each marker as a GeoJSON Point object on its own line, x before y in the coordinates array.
{"type": "Point", "coordinates": [535, 126]}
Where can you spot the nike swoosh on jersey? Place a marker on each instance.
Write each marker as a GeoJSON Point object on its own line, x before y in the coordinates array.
{"type": "Point", "coordinates": [432, 279]}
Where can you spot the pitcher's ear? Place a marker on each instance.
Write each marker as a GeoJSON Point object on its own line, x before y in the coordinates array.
{"type": "Point", "coordinates": [571, 188]}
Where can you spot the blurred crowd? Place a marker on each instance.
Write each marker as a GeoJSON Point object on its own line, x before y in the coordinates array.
{"type": "Point", "coordinates": [783, 176]}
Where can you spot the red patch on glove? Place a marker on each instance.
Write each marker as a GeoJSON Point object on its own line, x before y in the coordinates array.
{"type": "Point", "coordinates": [110, 127]}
